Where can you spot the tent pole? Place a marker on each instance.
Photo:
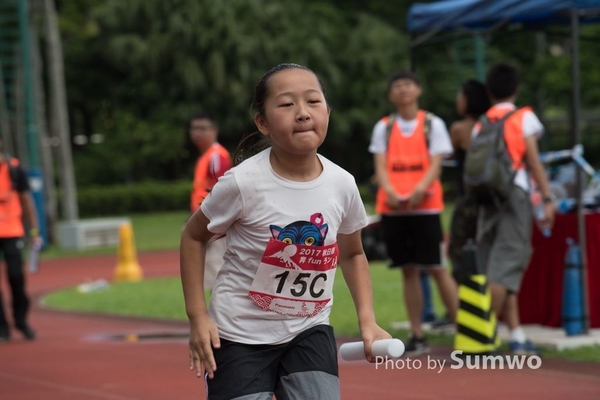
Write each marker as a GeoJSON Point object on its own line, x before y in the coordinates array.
{"type": "Point", "coordinates": [412, 62]}
{"type": "Point", "coordinates": [479, 46]}
{"type": "Point", "coordinates": [579, 176]}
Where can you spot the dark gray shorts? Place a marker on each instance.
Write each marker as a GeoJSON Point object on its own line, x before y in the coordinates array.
{"type": "Point", "coordinates": [505, 246]}
{"type": "Point", "coordinates": [305, 368]}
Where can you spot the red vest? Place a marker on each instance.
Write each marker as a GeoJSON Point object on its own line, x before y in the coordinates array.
{"type": "Point", "coordinates": [11, 212]}
{"type": "Point", "coordinates": [204, 178]}
{"type": "Point", "coordinates": [407, 161]}
{"type": "Point", "coordinates": [513, 132]}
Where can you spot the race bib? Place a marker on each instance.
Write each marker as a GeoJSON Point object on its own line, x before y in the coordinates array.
{"type": "Point", "coordinates": [294, 279]}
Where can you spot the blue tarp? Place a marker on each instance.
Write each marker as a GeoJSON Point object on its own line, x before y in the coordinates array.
{"type": "Point", "coordinates": [486, 14]}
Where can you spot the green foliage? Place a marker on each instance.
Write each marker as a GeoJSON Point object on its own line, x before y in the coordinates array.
{"type": "Point", "coordinates": [133, 198]}
{"type": "Point", "coordinates": [137, 69]}
{"type": "Point", "coordinates": [156, 62]}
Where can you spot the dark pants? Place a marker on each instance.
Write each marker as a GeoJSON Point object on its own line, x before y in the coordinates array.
{"type": "Point", "coordinates": [11, 250]}
{"type": "Point", "coordinates": [462, 228]}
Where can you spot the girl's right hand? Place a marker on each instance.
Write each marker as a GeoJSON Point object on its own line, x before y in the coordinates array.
{"type": "Point", "coordinates": [204, 335]}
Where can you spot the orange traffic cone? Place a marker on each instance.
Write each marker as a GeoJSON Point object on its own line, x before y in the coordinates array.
{"type": "Point", "coordinates": [127, 269]}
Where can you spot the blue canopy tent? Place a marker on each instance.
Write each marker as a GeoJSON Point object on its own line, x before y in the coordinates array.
{"type": "Point", "coordinates": [426, 20]}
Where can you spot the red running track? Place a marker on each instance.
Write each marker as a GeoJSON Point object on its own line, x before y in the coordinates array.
{"type": "Point", "coordinates": [74, 358]}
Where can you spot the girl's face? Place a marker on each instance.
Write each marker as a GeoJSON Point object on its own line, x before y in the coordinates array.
{"type": "Point", "coordinates": [461, 103]}
{"type": "Point", "coordinates": [296, 114]}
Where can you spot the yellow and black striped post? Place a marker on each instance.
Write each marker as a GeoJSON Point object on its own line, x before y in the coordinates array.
{"type": "Point", "coordinates": [476, 331]}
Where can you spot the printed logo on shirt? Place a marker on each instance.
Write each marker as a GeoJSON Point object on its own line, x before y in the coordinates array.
{"type": "Point", "coordinates": [296, 273]}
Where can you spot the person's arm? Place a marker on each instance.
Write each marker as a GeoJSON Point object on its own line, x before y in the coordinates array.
{"type": "Point", "coordinates": [219, 164]}
{"type": "Point", "coordinates": [29, 211]}
{"type": "Point", "coordinates": [538, 173]}
{"type": "Point", "coordinates": [28, 207]}
{"type": "Point", "coordinates": [393, 200]}
{"type": "Point", "coordinates": [355, 269]}
{"type": "Point", "coordinates": [455, 136]}
{"type": "Point", "coordinates": [460, 135]}
{"type": "Point", "coordinates": [203, 331]}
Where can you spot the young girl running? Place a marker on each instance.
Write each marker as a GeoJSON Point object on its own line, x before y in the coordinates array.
{"type": "Point", "coordinates": [290, 217]}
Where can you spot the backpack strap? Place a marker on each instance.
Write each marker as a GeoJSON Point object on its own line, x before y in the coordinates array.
{"type": "Point", "coordinates": [426, 127]}
{"type": "Point", "coordinates": [389, 126]}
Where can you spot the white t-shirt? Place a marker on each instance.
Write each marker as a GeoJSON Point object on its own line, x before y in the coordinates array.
{"type": "Point", "coordinates": [531, 127]}
{"type": "Point", "coordinates": [253, 205]}
{"type": "Point", "coordinates": [439, 139]}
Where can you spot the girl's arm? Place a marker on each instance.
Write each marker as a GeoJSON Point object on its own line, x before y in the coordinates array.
{"type": "Point", "coordinates": [203, 332]}
{"type": "Point", "coordinates": [355, 269]}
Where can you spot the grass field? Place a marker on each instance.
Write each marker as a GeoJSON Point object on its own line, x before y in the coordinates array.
{"type": "Point", "coordinates": [159, 231]}
{"type": "Point", "coordinates": [163, 298]}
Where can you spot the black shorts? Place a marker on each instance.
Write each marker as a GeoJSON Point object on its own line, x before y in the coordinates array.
{"type": "Point", "coordinates": [413, 239]}
{"type": "Point", "coordinates": [304, 368]}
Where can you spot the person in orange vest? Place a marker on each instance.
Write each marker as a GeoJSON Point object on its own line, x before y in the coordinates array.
{"type": "Point", "coordinates": [16, 202]}
{"type": "Point", "coordinates": [408, 149]}
{"type": "Point", "coordinates": [214, 160]}
{"type": "Point", "coordinates": [505, 245]}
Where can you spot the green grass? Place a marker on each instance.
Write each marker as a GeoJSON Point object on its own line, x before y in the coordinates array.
{"type": "Point", "coordinates": [163, 298]}
{"type": "Point", "coordinates": [159, 231]}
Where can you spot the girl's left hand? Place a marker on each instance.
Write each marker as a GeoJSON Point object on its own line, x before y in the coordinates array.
{"type": "Point", "coordinates": [369, 334]}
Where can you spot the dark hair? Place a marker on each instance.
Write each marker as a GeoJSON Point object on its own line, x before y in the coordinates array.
{"type": "Point", "coordinates": [502, 81]}
{"type": "Point", "coordinates": [201, 114]}
{"type": "Point", "coordinates": [261, 91]}
{"type": "Point", "coordinates": [254, 142]}
{"type": "Point", "coordinates": [396, 76]}
{"type": "Point", "coordinates": [477, 98]}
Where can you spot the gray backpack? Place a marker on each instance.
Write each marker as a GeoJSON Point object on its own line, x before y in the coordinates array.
{"type": "Point", "coordinates": [488, 170]}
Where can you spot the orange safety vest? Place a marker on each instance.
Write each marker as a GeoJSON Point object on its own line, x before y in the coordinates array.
{"type": "Point", "coordinates": [513, 132]}
{"type": "Point", "coordinates": [11, 224]}
{"type": "Point", "coordinates": [407, 162]}
{"type": "Point", "coordinates": [204, 178]}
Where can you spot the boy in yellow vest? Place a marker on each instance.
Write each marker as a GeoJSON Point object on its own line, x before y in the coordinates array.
{"type": "Point", "coordinates": [410, 198]}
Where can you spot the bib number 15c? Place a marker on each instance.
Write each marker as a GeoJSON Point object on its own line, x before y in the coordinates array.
{"type": "Point", "coordinates": [304, 281]}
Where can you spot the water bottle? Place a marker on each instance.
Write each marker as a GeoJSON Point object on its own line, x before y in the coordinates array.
{"type": "Point", "coordinates": [538, 213]}
{"type": "Point", "coordinates": [538, 210]}
{"type": "Point", "coordinates": [572, 300]}
{"type": "Point", "coordinates": [33, 261]}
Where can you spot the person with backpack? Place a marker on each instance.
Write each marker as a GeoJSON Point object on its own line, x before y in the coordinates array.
{"type": "Point", "coordinates": [408, 163]}
{"type": "Point", "coordinates": [15, 202]}
{"type": "Point", "coordinates": [503, 149]}
{"type": "Point", "coordinates": [472, 102]}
